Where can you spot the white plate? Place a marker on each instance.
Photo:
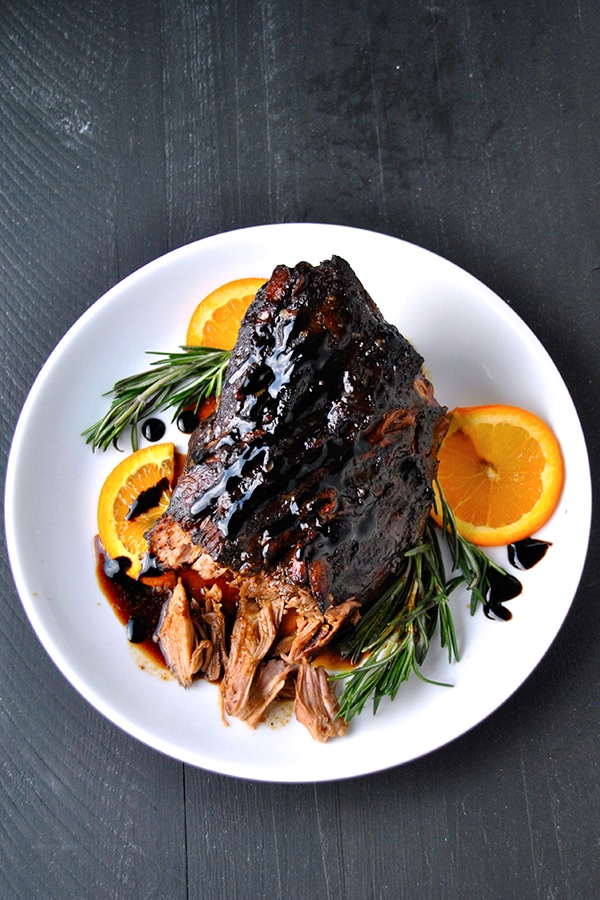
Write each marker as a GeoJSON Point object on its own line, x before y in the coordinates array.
{"type": "Point", "coordinates": [476, 350]}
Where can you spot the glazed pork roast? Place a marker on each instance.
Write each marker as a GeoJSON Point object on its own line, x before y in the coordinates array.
{"type": "Point", "coordinates": [300, 494]}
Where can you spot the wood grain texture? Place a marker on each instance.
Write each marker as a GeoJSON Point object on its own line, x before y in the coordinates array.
{"type": "Point", "coordinates": [86, 810]}
{"type": "Point", "coordinates": [469, 128]}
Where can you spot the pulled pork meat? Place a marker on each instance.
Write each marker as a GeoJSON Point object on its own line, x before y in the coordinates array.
{"type": "Point", "coordinates": [191, 635]}
{"type": "Point", "coordinates": [299, 495]}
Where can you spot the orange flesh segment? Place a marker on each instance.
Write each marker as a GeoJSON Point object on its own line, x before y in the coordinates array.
{"type": "Point", "coordinates": [216, 320]}
{"type": "Point", "coordinates": [131, 531]}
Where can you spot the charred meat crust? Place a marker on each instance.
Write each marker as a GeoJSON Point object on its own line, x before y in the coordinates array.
{"type": "Point", "coordinates": [319, 460]}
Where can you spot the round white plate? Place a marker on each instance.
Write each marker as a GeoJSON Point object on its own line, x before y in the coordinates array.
{"type": "Point", "coordinates": [476, 351]}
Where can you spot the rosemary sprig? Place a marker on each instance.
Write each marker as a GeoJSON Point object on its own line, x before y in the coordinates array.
{"type": "Point", "coordinates": [178, 379]}
{"type": "Point", "coordinates": [392, 639]}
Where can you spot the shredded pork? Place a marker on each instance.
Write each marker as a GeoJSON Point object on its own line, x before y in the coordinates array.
{"type": "Point", "coordinates": [316, 703]}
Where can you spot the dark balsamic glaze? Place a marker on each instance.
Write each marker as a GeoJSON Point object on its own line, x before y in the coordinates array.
{"type": "Point", "coordinates": [503, 587]}
{"type": "Point", "coordinates": [113, 568]}
{"type": "Point", "coordinates": [524, 554]}
{"type": "Point", "coordinates": [137, 629]}
{"type": "Point", "coordinates": [137, 603]}
{"type": "Point", "coordinates": [527, 553]}
{"type": "Point", "coordinates": [257, 474]}
{"type": "Point", "coordinates": [147, 500]}
{"type": "Point", "coordinates": [150, 568]}
{"type": "Point", "coordinates": [188, 421]}
{"type": "Point", "coordinates": [287, 392]}
{"type": "Point", "coordinates": [153, 429]}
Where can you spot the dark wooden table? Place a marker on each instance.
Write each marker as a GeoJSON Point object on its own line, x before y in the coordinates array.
{"type": "Point", "coordinates": [470, 128]}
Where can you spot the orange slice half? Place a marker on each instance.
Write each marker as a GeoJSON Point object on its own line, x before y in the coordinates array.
{"type": "Point", "coordinates": [501, 472]}
{"type": "Point", "coordinates": [134, 495]}
{"type": "Point", "coordinates": [216, 320]}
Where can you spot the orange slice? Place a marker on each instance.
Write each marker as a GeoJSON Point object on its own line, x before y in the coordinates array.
{"type": "Point", "coordinates": [501, 472]}
{"type": "Point", "coordinates": [216, 320]}
{"type": "Point", "coordinates": [134, 495]}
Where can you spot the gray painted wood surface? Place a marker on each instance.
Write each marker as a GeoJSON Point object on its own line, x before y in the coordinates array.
{"type": "Point", "coordinates": [470, 128]}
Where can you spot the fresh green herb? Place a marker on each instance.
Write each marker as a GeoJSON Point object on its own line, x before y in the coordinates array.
{"type": "Point", "coordinates": [392, 639]}
{"type": "Point", "coordinates": [467, 558]}
{"type": "Point", "coordinates": [177, 380]}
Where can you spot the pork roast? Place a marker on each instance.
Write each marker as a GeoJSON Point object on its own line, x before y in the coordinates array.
{"type": "Point", "coordinates": [315, 473]}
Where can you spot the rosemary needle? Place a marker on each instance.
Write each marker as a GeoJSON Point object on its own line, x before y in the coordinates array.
{"type": "Point", "coordinates": [179, 379]}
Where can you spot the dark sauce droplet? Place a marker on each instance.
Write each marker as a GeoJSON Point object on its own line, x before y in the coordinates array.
{"type": "Point", "coordinates": [503, 587]}
{"type": "Point", "coordinates": [527, 553]}
{"type": "Point", "coordinates": [137, 604]}
{"type": "Point", "coordinates": [147, 500]}
{"type": "Point", "coordinates": [149, 569]}
{"type": "Point", "coordinates": [187, 421]}
{"type": "Point", "coordinates": [153, 429]}
{"type": "Point", "coordinates": [112, 568]}
{"type": "Point", "coordinates": [136, 629]}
